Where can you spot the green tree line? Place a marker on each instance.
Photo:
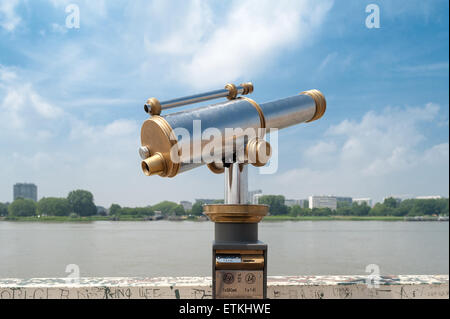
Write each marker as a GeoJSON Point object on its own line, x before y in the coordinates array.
{"type": "Point", "coordinates": [81, 203]}
{"type": "Point", "coordinates": [166, 208]}
{"type": "Point", "coordinates": [77, 202]}
{"type": "Point", "coordinates": [390, 207]}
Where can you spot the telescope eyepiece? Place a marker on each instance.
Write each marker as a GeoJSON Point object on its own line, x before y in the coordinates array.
{"type": "Point", "coordinates": [154, 165]}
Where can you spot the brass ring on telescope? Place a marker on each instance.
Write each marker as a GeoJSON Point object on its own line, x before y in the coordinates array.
{"type": "Point", "coordinates": [248, 88]}
{"type": "Point", "coordinates": [258, 108]}
{"type": "Point", "coordinates": [321, 103]}
{"type": "Point", "coordinates": [233, 91]}
{"type": "Point", "coordinates": [157, 135]}
{"type": "Point", "coordinates": [216, 170]}
{"type": "Point", "coordinates": [227, 213]}
{"type": "Point", "coordinates": [260, 112]}
{"type": "Point", "coordinates": [252, 152]}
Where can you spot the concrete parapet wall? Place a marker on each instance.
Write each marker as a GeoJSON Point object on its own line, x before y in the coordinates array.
{"type": "Point", "coordinates": [285, 287]}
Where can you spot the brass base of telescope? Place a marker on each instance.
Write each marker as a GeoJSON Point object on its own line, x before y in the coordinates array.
{"type": "Point", "coordinates": [227, 213]}
{"type": "Point", "coordinates": [239, 259]}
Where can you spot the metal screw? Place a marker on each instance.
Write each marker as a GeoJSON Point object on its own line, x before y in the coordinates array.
{"type": "Point", "coordinates": [144, 152]}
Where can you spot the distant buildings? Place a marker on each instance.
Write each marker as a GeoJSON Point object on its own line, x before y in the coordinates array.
{"type": "Point", "coordinates": [25, 190]}
{"type": "Point", "coordinates": [292, 202]}
{"type": "Point", "coordinates": [295, 202]}
{"type": "Point", "coordinates": [255, 199]}
{"type": "Point", "coordinates": [187, 205]}
{"type": "Point", "coordinates": [252, 197]}
{"type": "Point", "coordinates": [397, 199]}
{"type": "Point", "coordinates": [344, 200]}
{"type": "Point", "coordinates": [429, 197]}
{"type": "Point", "coordinates": [359, 201]}
{"type": "Point", "coordinates": [323, 202]}
{"type": "Point", "coordinates": [304, 203]}
{"type": "Point", "coordinates": [206, 201]}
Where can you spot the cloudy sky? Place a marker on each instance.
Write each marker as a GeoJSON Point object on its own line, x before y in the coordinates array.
{"type": "Point", "coordinates": [71, 98]}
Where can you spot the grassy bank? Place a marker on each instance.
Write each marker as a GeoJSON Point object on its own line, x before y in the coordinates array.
{"type": "Point", "coordinates": [64, 219]}
{"type": "Point", "coordinates": [134, 218]}
{"type": "Point", "coordinates": [361, 218]}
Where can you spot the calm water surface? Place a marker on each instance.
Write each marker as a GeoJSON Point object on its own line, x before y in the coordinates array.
{"type": "Point", "coordinates": [167, 248]}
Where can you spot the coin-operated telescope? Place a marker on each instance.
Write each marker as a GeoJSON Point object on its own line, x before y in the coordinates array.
{"type": "Point", "coordinates": [226, 137]}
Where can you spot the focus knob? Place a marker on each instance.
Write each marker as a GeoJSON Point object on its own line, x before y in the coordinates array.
{"type": "Point", "coordinates": [258, 152]}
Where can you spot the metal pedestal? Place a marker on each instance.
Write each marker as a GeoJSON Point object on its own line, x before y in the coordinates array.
{"type": "Point", "coordinates": [239, 259]}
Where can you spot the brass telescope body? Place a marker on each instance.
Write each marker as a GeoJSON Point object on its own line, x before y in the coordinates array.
{"type": "Point", "coordinates": [158, 138]}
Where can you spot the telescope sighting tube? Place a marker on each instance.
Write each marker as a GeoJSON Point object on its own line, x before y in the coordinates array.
{"type": "Point", "coordinates": [160, 140]}
{"type": "Point", "coordinates": [231, 91]}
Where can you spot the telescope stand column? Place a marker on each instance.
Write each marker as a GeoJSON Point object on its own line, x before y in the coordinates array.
{"type": "Point", "coordinates": [239, 259]}
{"type": "Point", "coordinates": [236, 184]}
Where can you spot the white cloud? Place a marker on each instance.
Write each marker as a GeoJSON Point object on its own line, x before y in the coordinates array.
{"type": "Point", "coordinates": [22, 109]}
{"type": "Point", "coordinates": [205, 44]}
{"type": "Point", "coordinates": [81, 130]}
{"type": "Point", "coordinates": [44, 108]}
{"type": "Point", "coordinates": [7, 75]}
{"type": "Point", "coordinates": [384, 153]}
{"type": "Point", "coordinates": [426, 69]}
{"type": "Point", "coordinates": [321, 149]}
{"type": "Point", "coordinates": [57, 28]}
{"type": "Point", "coordinates": [196, 24]}
{"type": "Point", "coordinates": [9, 109]}
{"type": "Point", "coordinates": [328, 59]}
{"type": "Point", "coordinates": [9, 20]}
{"type": "Point", "coordinates": [212, 50]}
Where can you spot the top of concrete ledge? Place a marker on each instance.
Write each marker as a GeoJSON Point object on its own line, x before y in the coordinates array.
{"type": "Point", "coordinates": [206, 281]}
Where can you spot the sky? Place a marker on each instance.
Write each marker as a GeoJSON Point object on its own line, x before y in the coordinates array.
{"type": "Point", "coordinates": [71, 99]}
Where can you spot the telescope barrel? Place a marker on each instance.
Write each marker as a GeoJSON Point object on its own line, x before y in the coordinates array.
{"type": "Point", "coordinates": [306, 107]}
{"type": "Point", "coordinates": [239, 115]}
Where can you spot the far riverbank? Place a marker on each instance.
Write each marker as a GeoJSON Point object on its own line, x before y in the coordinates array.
{"type": "Point", "coordinates": [203, 218]}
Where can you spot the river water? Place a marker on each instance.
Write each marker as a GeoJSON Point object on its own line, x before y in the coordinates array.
{"type": "Point", "coordinates": [169, 248]}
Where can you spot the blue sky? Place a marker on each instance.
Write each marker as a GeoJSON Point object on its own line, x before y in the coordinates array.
{"type": "Point", "coordinates": [71, 99]}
